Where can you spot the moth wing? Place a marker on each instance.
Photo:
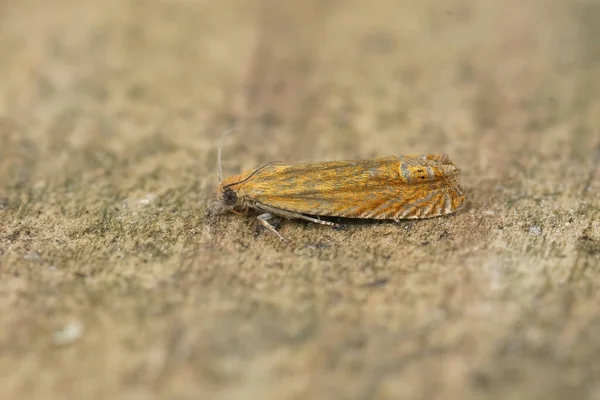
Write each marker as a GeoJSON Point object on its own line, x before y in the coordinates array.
{"type": "Point", "coordinates": [375, 188]}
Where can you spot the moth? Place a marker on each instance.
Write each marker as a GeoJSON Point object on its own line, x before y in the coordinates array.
{"type": "Point", "coordinates": [387, 188]}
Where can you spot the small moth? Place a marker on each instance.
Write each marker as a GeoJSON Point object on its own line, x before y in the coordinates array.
{"type": "Point", "coordinates": [388, 188]}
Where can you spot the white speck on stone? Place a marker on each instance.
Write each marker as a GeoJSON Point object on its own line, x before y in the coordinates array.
{"type": "Point", "coordinates": [536, 230]}
{"type": "Point", "coordinates": [69, 333]}
{"type": "Point", "coordinates": [488, 212]}
{"type": "Point", "coordinates": [147, 200]}
{"type": "Point", "coordinates": [32, 255]}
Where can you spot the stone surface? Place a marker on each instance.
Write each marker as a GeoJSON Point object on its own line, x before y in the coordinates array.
{"type": "Point", "coordinates": [110, 117]}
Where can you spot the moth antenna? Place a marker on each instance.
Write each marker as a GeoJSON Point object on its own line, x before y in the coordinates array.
{"type": "Point", "coordinates": [219, 152]}
{"type": "Point", "coordinates": [251, 175]}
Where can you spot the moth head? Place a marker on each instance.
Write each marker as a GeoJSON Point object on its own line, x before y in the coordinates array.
{"type": "Point", "coordinates": [231, 194]}
{"type": "Point", "coordinates": [229, 197]}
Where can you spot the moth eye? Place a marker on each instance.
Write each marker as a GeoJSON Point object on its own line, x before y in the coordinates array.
{"type": "Point", "coordinates": [229, 197]}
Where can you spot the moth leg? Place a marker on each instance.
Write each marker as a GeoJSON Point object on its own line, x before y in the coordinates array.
{"type": "Point", "coordinates": [290, 214]}
{"type": "Point", "coordinates": [264, 221]}
{"type": "Point", "coordinates": [316, 220]}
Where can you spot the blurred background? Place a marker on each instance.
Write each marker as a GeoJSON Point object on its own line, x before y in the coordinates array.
{"type": "Point", "coordinates": [115, 284]}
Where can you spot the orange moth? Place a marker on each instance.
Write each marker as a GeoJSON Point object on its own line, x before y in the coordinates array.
{"type": "Point", "coordinates": [388, 188]}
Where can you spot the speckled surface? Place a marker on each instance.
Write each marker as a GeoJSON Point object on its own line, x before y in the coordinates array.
{"type": "Point", "coordinates": [114, 283]}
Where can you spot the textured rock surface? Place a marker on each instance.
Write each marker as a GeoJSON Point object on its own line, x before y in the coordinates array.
{"type": "Point", "coordinates": [115, 284]}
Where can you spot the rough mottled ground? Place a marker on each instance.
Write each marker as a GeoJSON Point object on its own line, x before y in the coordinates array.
{"type": "Point", "coordinates": [114, 283]}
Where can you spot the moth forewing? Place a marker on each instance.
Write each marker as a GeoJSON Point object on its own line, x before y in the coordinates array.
{"type": "Point", "coordinates": [404, 187]}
